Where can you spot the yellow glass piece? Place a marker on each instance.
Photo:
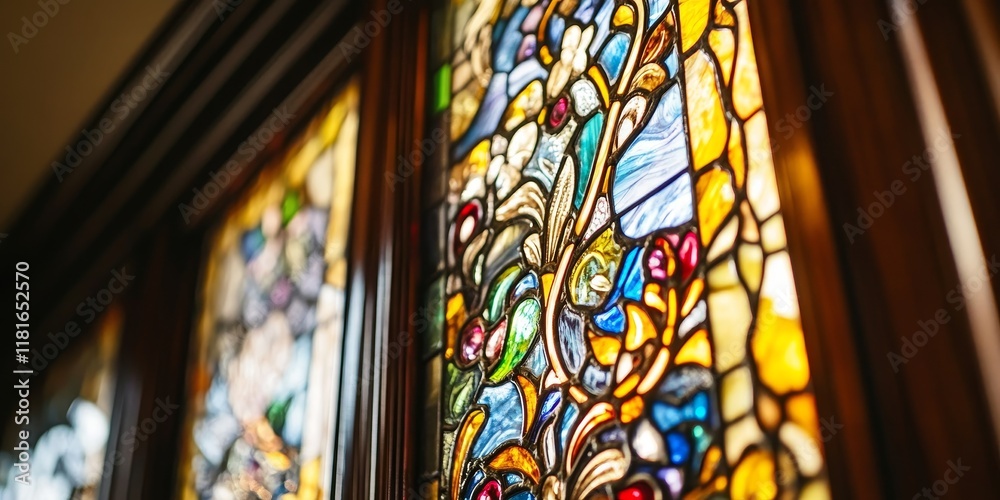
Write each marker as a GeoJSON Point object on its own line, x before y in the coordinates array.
{"type": "Point", "coordinates": [696, 350]}
{"type": "Point", "coordinates": [724, 241]}
{"type": "Point", "coordinates": [516, 459]}
{"type": "Point", "coordinates": [640, 328]}
{"type": "Point", "coordinates": [801, 409]}
{"type": "Point", "coordinates": [746, 81]}
{"type": "Point", "coordinates": [815, 490]}
{"type": "Point", "coordinates": [772, 234]}
{"type": "Point", "coordinates": [780, 351]}
{"type": "Point", "coordinates": [708, 465]}
{"type": "Point", "coordinates": [530, 402]}
{"type": "Point", "coordinates": [729, 314]}
{"type": "Point", "coordinates": [631, 409]}
{"type": "Point", "coordinates": [768, 411]}
{"type": "Point", "coordinates": [544, 54]}
{"type": "Point", "coordinates": [741, 435]}
{"type": "Point", "coordinates": [751, 259]}
{"type": "Point", "coordinates": [463, 442]}
{"type": "Point", "coordinates": [723, 274]}
{"type": "Point", "coordinates": [753, 478]}
{"type": "Point", "coordinates": [659, 39]}
{"type": "Point", "coordinates": [599, 82]}
{"type": "Point", "coordinates": [578, 394]}
{"type": "Point", "coordinates": [606, 348]}
{"type": "Point", "coordinates": [715, 195]}
{"type": "Point", "coordinates": [706, 118]}
{"type": "Point", "coordinates": [668, 331]}
{"type": "Point", "coordinates": [541, 116]}
{"type": "Point", "coordinates": [649, 78]}
{"type": "Point", "coordinates": [624, 16]}
{"type": "Point", "coordinates": [722, 16]}
{"type": "Point", "coordinates": [651, 296]}
{"type": "Point", "coordinates": [762, 187]}
{"type": "Point", "coordinates": [547, 284]}
{"type": "Point", "coordinates": [309, 478]}
{"type": "Point", "coordinates": [527, 103]}
{"type": "Point", "coordinates": [750, 230]}
{"type": "Point", "coordinates": [737, 394]}
{"type": "Point", "coordinates": [737, 160]}
{"type": "Point", "coordinates": [455, 318]}
{"type": "Point", "coordinates": [655, 371]}
{"type": "Point", "coordinates": [694, 19]}
{"type": "Point", "coordinates": [627, 385]}
{"type": "Point", "coordinates": [805, 449]}
{"type": "Point", "coordinates": [693, 294]}
{"type": "Point", "coordinates": [723, 43]}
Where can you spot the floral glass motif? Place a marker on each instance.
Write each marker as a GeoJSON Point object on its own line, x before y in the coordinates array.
{"type": "Point", "coordinates": [614, 293]}
{"type": "Point", "coordinates": [267, 352]}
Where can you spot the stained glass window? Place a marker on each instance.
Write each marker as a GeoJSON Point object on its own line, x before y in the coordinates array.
{"type": "Point", "coordinates": [263, 383]}
{"type": "Point", "coordinates": [612, 307]}
{"type": "Point", "coordinates": [69, 431]}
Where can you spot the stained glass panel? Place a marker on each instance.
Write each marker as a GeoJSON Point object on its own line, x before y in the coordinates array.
{"type": "Point", "coordinates": [267, 352]}
{"type": "Point", "coordinates": [615, 297]}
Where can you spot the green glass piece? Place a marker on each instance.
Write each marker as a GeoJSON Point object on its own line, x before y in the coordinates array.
{"type": "Point", "coordinates": [290, 206]}
{"type": "Point", "coordinates": [585, 150]}
{"type": "Point", "coordinates": [429, 322]}
{"type": "Point", "coordinates": [276, 413]}
{"type": "Point", "coordinates": [497, 298]}
{"type": "Point", "coordinates": [524, 327]}
{"type": "Point", "coordinates": [462, 386]}
{"type": "Point", "coordinates": [442, 87]}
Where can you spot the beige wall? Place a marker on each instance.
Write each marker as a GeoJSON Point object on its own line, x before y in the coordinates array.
{"type": "Point", "coordinates": [55, 81]}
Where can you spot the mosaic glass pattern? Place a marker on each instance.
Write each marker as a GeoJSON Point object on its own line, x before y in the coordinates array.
{"type": "Point", "coordinates": [614, 296]}
{"type": "Point", "coordinates": [267, 352]}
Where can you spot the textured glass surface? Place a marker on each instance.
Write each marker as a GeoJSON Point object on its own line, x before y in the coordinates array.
{"type": "Point", "coordinates": [618, 311]}
{"type": "Point", "coordinates": [264, 378]}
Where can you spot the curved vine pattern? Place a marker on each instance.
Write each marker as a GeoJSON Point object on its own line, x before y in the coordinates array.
{"type": "Point", "coordinates": [619, 318]}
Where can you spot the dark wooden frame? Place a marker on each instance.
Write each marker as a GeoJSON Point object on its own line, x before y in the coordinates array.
{"type": "Point", "coordinates": [227, 74]}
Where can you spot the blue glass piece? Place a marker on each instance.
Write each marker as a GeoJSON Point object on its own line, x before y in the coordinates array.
{"type": "Point", "coordinates": [672, 63]}
{"type": "Point", "coordinates": [488, 117]}
{"type": "Point", "coordinates": [571, 339]}
{"type": "Point", "coordinates": [603, 22]}
{"type": "Point", "coordinates": [656, 9]}
{"type": "Point", "coordinates": [473, 482]}
{"type": "Point", "coordinates": [554, 34]}
{"type": "Point", "coordinates": [528, 282]}
{"type": "Point", "coordinates": [680, 449]}
{"type": "Point", "coordinates": [524, 495]}
{"type": "Point", "coordinates": [504, 417]}
{"type": "Point", "coordinates": [586, 148]}
{"type": "Point", "coordinates": [612, 435]}
{"type": "Point", "coordinates": [549, 405]}
{"type": "Point", "coordinates": [523, 74]}
{"type": "Point", "coordinates": [612, 320]}
{"type": "Point", "coordinates": [511, 478]}
{"type": "Point", "coordinates": [649, 177]}
{"type": "Point", "coordinates": [612, 58]}
{"type": "Point", "coordinates": [667, 416]}
{"type": "Point", "coordinates": [596, 380]}
{"type": "Point", "coordinates": [252, 243]}
{"type": "Point", "coordinates": [631, 285]}
{"type": "Point", "coordinates": [536, 362]}
{"type": "Point", "coordinates": [568, 419]}
{"type": "Point", "coordinates": [505, 51]}
{"type": "Point", "coordinates": [585, 12]}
